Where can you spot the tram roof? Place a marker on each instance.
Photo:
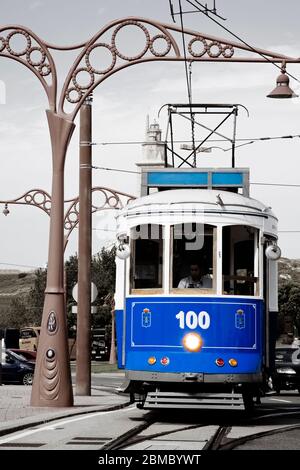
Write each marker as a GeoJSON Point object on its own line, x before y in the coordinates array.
{"type": "Point", "coordinates": [202, 198]}
{"type": "Point", "coordinates": [178, 205]}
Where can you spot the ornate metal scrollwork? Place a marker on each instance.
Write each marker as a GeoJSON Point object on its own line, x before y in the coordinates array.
{"type": "Point", "coordinates": [34, 54]}
{"type": "Point", "coordinates": [160, 43]}
{"type": "Point", "coordinates": [35, 197]}
{"type": "Point", "coordinates": [111, 200]}
{"type": "Point", "coordinates": [74, 91]}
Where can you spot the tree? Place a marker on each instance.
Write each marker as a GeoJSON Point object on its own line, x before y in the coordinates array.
{"type": "Point", "coordinates": [103, 275]}
{"type": "Point", "coordinates": [289, 308]}
{"type": "Point", "coordinates": [71, 276]}
{"type": "Point", "coordinates": [35, 298]}
{"type": "Point", "coordinates": [15, 315]}
{"type": "Point", "coordinates": [26, 309]}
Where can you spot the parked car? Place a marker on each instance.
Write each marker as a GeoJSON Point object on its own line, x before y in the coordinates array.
{"type": "Point", "coordinates": [99, 344]}
{"type": "Point", "coordinates": [15, 369]}
{"type": "Point", "coordinates": [26, 354]}
{"type": "Point", "coordinates": [287, 369]}
{"type": "Point", "coordinates": [29, 338]}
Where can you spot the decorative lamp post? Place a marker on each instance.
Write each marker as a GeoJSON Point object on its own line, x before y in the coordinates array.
{"type": "Point", "coordinates": [52, 381]}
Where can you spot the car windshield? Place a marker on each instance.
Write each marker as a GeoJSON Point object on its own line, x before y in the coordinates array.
{"type": "Point", "coordinates": [14, 355]}
{"type": "Point", "coordinates": [287, 355]}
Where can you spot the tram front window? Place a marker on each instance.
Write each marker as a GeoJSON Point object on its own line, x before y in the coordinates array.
{"type": "Point", "coordinates": [240, 260]}
{"type": "Point", "coordinates": [146, 258]}
{"type": "Point", "coordinates": [193, 257]}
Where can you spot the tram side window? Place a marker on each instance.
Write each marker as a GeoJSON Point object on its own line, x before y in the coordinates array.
{"type": "Point", "coordinates": [193, 257]}
{"type": "Point", "coordinates": [147, 255]}
{"type": "Point", "coordinates": [239, 258]}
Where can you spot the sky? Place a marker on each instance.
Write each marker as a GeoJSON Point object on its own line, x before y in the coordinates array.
{"type": "Point", "coordinates": [122, 103]}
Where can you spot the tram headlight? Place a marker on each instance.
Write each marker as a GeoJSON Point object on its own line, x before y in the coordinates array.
{"type": "Point", "coordinates": [151, 360]}
{"type": "Point", "coordinates": [233, 362]}
{"type": "Point", "coordinates": [192, 342]}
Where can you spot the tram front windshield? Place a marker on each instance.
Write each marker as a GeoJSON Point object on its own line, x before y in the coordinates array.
{"type": "Point", "coordinates": [182, 259]}
{"type": "Point", "coordinates": [193, 256]}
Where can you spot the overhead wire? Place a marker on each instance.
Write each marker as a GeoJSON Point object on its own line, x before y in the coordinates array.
{"type": "Point", "coordinates": [289, 185]}
{"type": "Point", "coordinates": [253, 49]}
{"type": "Point", "coordinates": [254, 139]}
{"type": "Point", "coordinates": [21, 265]}
{"type": "Point", "coordinates": [189, 84]}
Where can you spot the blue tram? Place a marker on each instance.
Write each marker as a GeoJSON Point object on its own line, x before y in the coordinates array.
{"type": "Point", "coordinates": [196, 290]}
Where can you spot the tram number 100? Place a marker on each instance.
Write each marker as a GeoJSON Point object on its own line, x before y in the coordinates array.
{"type": "Point", "coordinates": [192, 320]}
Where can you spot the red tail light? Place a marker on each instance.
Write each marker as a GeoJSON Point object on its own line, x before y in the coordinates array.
{"type": "Point", "coordinates": [220, 362]}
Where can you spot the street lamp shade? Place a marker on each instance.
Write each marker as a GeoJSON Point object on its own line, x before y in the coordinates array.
{"type": "Point", "coordinates": [282, 89]}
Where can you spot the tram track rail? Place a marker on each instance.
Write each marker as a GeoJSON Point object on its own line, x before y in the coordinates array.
{"type": "Point", "coordinates": [218, 441]}
{"type": "Point", "coordinates": [233, 443]}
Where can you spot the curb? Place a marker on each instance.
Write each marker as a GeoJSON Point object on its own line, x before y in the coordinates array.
{"type": "Point", "coordinates": [19, 427]}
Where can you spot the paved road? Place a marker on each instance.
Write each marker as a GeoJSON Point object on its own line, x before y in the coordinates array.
{"type": "Point", "coordinates": [188, 430]}
{"type": "Point", "coordinates": [109, 380]}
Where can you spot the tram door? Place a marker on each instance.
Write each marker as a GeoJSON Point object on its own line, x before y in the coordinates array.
{"type": "Point", "coordinates": [240, 260]}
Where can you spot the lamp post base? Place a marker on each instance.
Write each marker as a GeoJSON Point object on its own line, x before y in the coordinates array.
{"type": "Point", "coordinates": [52, 385]}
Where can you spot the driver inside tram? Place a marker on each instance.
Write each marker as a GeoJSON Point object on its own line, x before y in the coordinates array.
{"type": "Point", "coordinates": [196, 279]}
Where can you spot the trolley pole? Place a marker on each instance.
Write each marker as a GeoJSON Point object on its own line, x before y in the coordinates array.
{"type": "Point", "coordinates": [83, 339]}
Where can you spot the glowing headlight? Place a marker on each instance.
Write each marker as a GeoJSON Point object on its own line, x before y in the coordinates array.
{"type": "Point", "coordinates": [192, 342]}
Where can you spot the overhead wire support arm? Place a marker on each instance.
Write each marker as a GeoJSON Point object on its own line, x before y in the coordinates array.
{"type": "Point", "coordinates": [172, 10]}
{"type": "Point", "coordinates": [213, 11]}
{"type": "Point", "coordinates": [206, 138]}
{"type": "Point", "coordinates": [205, 10]}
{"type": "Point", "coordinates": [188, 113]}
{"type": "Point", "coordinates": [188, 76]}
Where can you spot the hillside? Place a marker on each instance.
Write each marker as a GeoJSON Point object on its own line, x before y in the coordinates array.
{"type": "Point", "coordinates": [13, 284]}
{"type": "Point", "coordinates": [289, 270]}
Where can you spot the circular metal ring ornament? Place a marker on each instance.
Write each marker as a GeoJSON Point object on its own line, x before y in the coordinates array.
{"type": "Point", "coordinates": [32, 62]}
{"type": "Point", "coordinates": [67, 225]}
{"type": "Point", "coordinates": [166, 51]}
{"type": "Point", "coordinates": [73, 100]}
{"type": "Point", "coordinates": [106, 46]}
{"type": "Point", "coordinates": [24, 51]}
{"type": "Point", "coordinates": [130, 23]}
{"type": "Point", "coordinates": [28, 198]}
{"type": "Point", "coordinates": [44, 70]}
{"type": "Point", "coordinates": [193, 41]}
{"type": "Point", "coordinates": [227, 51]}
{"type": "Point", "coordinates": [36, 197]}
{"type": "Point", "coordinates": [112, 201]}
{"type": "Point", "coordinates": [47, 205]}
{"type": "Point", "coordinates": [83, 87]}
{"type": "Point", "coordinates": [214, 54]}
